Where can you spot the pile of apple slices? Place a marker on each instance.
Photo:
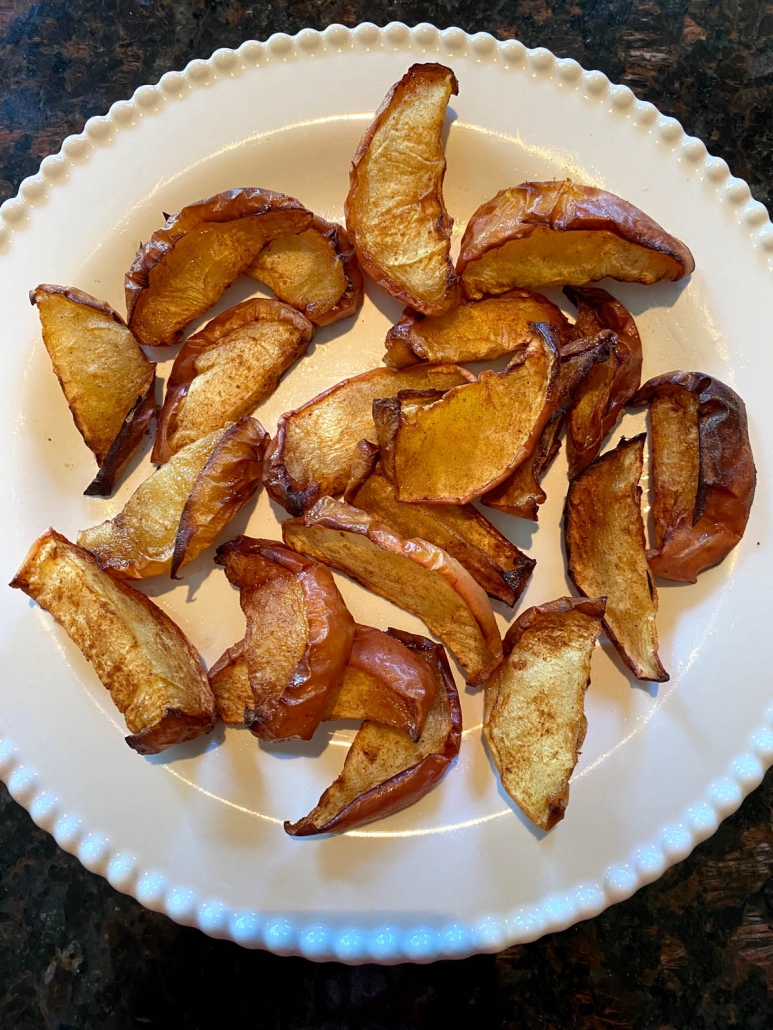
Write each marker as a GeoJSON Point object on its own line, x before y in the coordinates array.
{"type": "Point", "coordinates": [379, 472]}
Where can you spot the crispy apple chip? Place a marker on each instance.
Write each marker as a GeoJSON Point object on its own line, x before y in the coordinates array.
{"type": "Point", "coordinates": [601, 398]}
{"type": "Point", "coordinates": [394, 211]}
{"type": "Point", "coordinates": [311, 454]}
{"type": "Point", "coordinates": [107, 381]}
{"type": "Point", "coordinates": [414, 574]}
{"type": "Point", "coordinates": [187, 266]}
{"type": "Point", "coordinates": [183, 506]}
{"type": "Point", "coordinates": [521, 493]}
{"type": "Point", "coordinates": [702, 469]}
{"type": "Point", "coordinates": [225, 371]}
{"type": "Point", "coordinates": [475, 331]}
{"type": "Point", "coordinates": [461, 530]}
{"type": "Point", "coordinates": [385, 771]}
{"type": "Point", "coordinates": [535, 704]}
{"type": "Point", "coordinates": [556, 233]}
{"type": "Point", "coordinates": [299, 635]}
{"type": "Point", "coordinates": [153, 673]}
{"type": "Point", "coordinates": [316, 271]}
{"type": "Point", "coordinates": [456, 448]}
{"type": "Point", "coordinates": [606, 556]}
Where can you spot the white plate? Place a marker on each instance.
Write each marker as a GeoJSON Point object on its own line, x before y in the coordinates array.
{"type": "Point", "coordinates": [197, 832]}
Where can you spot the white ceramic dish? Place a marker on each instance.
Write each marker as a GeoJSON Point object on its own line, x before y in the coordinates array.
{"type": "Point", "coordinates": [197, 832]}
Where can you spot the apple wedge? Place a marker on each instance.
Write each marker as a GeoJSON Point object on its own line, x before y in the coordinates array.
{"type": "Point", "coordinates": [606, 554]}
{"type": "Point", "coordinates": [311, 454]}
{"type": "Point", "coordinates": [534, 721]}
{"type": "Point", "coordinates": [394, 211]}
{"type": "Point", "coordinates": [225, 371]}
{"type": "Point", "coordinates": [153, 673]}
{"type": "Point", "coordinates": [601, 398]}
{"type": "Point", "coordinates": [461, 530]}
{"type": "Point", "coordinates": [557, 233]}
{"type": "Point", "coordinates": [456, 448]}
{"type": "Point", "coordinates": [107, 381]}
{"type": "Point", "coordinates": [385, 771]}
{"type": "Point", "coordinates": [298, 639]}
{"type": "Point", "coordinates": [183, 506]}
{"type": "Point", "coordinates": [702, 469]}
{"type": "Point", "coordinates": [475, 331]}
{"type": "Point", "coordinates": [187, 266]}
{"type": "Point", "coordinates": [316, 271]}
{"type": "Point", "coordinates": [414, 574]}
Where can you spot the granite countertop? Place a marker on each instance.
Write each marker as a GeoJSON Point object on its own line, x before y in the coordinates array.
{"type": "Point", "coordinates": [695, 949]}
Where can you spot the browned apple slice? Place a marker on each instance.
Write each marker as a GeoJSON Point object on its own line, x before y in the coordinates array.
{"type": "Point", "coordinates": [496, 564]}
{"type": "Point", "coordinates": [311, 454]}
{"type": "Point", "coordinates": [456, 448]}
{"type": "Point", "coordinates": [107, 381]}
{"type": "Point", "coordinates": [702, 469]}
{"type": "Point", "coordinates": [475, 331]}
{"type": "Point", "coordinates": [385, 771]}
{"type": "Point", "coordinates": [225, 371]}
{"type": "Point", "coordinates": [601, 398]}
{"type": "Point", "coordinates": [414, 574]}
{"type": "Point", "coordinates": [394, 211]}
{"type": "Point", "coordinates": [299, 635]}
{"type": "Point", "coordinates": [521, 494]}
{"type": "Point", "coordinates": [606, 556]}
{"type": "Point", "coordinates": [316, 271]}
{"type": "Point", "coordinates": [153, 673]}
{"type": "Point", "coordinates": [535, 704]}
{"type": "Point", "coordinates": [183, 506]}
{"type": "Point", "coordinates": [553, 233]}
{"type": "Point", "coordinates": [186, 267]}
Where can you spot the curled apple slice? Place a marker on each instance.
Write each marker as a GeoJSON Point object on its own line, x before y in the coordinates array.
{"type": "Point", "coordinates": [186, 267]}
{"type": "Point", "coordinates": [475, 331]}
{"type": "Point", "coordinates": [225, 371]}
{"type": "Point", "coordinates": [183, 506]}
{"type": "Point", "coordinates": [702, 469]}
{"type": "Point", "coordinates": [298, 639]}
{"type": "Point", "coordinates": [394, 211]}
{"type": "Point", "coordinates": [606, 556]}
{"type": "Point", "coordinates": [553, 233]}
{"type": "Point", "coordinates": [153, 673]}
{"type": "Point", "coordinates": [311, 453]}
{"type": "Point", "coordinates": [107, 381]}
{"type": "Point", "coordinates": [316, 271]}
{"type": "Point", "coordinates": [385, 771]}
{"type": "Point", "coordinates": [534, 721]}
{"type": "Point", "coordinates": [414, 574]}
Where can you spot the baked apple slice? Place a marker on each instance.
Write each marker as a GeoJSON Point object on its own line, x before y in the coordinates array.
{"type": "Point", "coordinates": [606, 554]}
{"type": "Point", "coordinates": [475, 331]}
{"type": "Point", "coordinates": [225, 371]}
{"type": "Point", "coordinates": [456, 448]}
{"type": "Point", "coordinates": [534, 720]}
{"type": "Point", "coordinates": [702, 469]}
{"type": "Point", "coordinates": [385, 771]}
{"type": "Point", "coordinates": [521, 493]}
{"type": "Point", "coordinates": [316, 271]}
{"type": "Point", "coordinates": [311, 454]}
{"type": "Point", "coordinates": [153, 673]}
{"type": "Point", "coordinates": [602, 396]}
{"type": "Point", "coordinates": [108, 383]}
{"type": "Point", "coordinates": [461, 530]}
{"type": "Point", "coordinates": [298, 639]}
{"type": "Point", "coordinates": [414, 574]}
{"type": "Point", "coordinates": [187, 266]}
{"type": "Point", "coordinates": [394, 211]}
{"type": "Point", "coordinates": [557, 233]}
{"type": "Point", "coordinates": [183, 506]}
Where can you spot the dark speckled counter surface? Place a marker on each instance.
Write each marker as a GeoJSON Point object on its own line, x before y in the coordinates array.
{"type": "Point", "coordinates": [692, 951]}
